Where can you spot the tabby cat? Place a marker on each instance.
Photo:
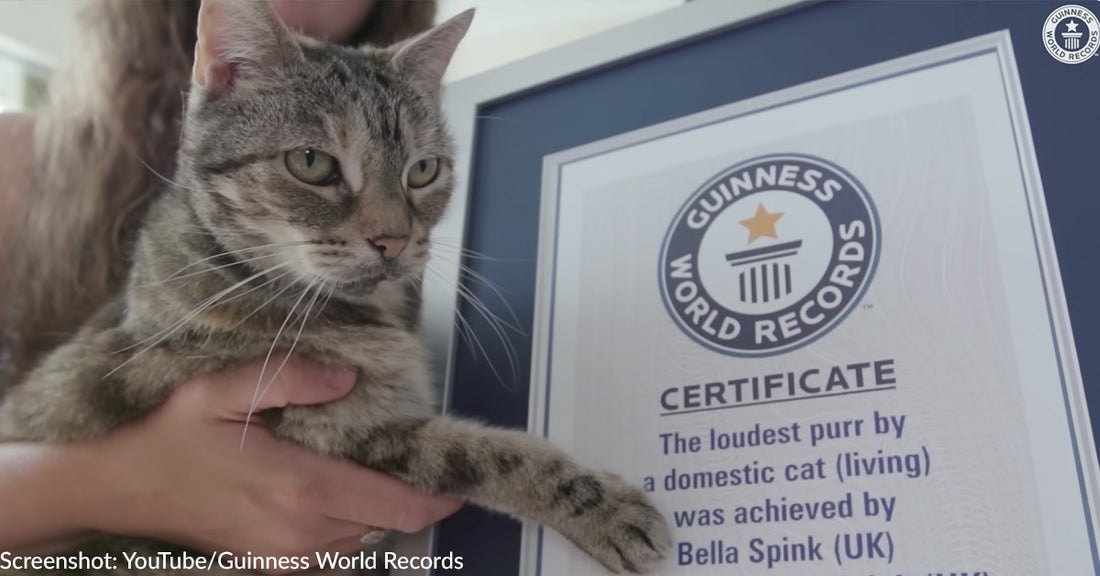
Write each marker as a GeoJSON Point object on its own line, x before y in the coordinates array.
{"type": "Point", "coordinates": [308, 181]}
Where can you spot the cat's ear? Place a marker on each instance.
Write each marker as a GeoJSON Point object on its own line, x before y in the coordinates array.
{"type": "Point", "coordinates": [239, 41]}
{"type": "Point", "coordinates": [424, 58]}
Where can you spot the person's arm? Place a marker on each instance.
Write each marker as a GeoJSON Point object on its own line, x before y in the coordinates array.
{"type": "Point", "coordinates": [182, 475]}
{"type": "Point", "coordinates": [40, 486]}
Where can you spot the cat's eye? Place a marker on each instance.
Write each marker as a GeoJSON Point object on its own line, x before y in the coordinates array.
{"type": "Point", "coordinates": [313, 166]}
{"type": "Point", "coordinates": [422, 173]}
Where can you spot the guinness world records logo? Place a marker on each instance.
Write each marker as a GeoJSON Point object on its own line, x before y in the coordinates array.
{"type": "Point", "coordinates": [1071, 34]}
{"type": "Point", "coordinates": [769, 255]}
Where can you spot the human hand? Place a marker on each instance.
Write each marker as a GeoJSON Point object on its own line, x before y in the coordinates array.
{"type": "Point", "coordinates": [181, 475]}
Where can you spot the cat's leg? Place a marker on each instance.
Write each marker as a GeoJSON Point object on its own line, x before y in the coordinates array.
{"type": "Point", "coordinates": [95, 384]}
{"type": "Point", "coordinates": [78, 392]}
{"type": "Point", "coordinates": [525, 476]}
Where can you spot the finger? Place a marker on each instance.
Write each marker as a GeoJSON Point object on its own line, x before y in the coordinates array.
{"type": "Point", "coordinates": [372, 498]}
{"type": "Point", "coordinates": [298, 380]}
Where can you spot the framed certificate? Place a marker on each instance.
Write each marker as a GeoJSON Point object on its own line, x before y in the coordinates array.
{"type": "Point", "coordinates": [806, 274]}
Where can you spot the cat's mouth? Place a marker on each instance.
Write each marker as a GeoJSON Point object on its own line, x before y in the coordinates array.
{"type": "Point", "coordinates": [347, 267]}
{"type": "Point", "coordinates": [363, 279]}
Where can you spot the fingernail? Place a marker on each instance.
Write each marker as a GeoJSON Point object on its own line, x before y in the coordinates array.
{"type": "Point", "coordinates": [339, 377]}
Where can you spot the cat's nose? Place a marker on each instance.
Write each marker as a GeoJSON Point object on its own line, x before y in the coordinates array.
{"type": "Point", "coordinates": [389, 247]}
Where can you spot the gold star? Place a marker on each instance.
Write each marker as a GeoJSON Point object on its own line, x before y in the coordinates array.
{"type": "Point", "coordinates": [762, 223]}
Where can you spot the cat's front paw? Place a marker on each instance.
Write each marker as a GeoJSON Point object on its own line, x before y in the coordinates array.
{"type": "Point", "coordinates": [615, 523]}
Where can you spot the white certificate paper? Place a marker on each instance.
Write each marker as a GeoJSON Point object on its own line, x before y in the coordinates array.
{"type": "Point", "coordinates": [825, 329]}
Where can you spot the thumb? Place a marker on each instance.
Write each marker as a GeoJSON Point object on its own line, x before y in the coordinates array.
{"type": "Point", "coordinates": [284, 381]}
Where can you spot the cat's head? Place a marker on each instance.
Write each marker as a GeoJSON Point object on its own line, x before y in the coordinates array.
{"type": "Point", "coordinates": [336, 157]}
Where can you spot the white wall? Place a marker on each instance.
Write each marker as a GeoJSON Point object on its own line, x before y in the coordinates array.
{"type": "Point", "coordinates": [37, 28]}
{"type": "Point", "coordinates": [508, 30]}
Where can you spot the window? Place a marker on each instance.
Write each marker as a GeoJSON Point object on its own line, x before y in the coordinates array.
{"type": "Point", "coordinates": [22, 82]}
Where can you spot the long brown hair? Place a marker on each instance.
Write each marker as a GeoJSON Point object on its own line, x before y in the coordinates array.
{"type": "Point", "coordinates": [107, 135]}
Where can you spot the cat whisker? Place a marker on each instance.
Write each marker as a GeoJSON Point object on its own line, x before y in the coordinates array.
{"type": "Point", "coordinates": [240, 251]}
{"type": "Point", "coordinates": [250, 290]}
{"type": "Point", "coordinates": [265, 302]}
{"type": "Point", "coordinates": [491, 319]}
{"type": "Point", "coordinates": [469, 336]}
{"type": "Point", "coordinates": [460, 322]}
{"type": "Point", "coordinates": [204, 231]}
{"type": "Point", "coordinates": [270, 351]}
{"type": "Point", "coordinates": [202, 307]}
{"type": "Point", "coordinates": [208, 270]}
{"type": "Point", "coordinates": [297, 337]}
{"type": "Point", "coordinates": [495, 323]}
{"type": "Point", "coordinates": [475, 275]}
{"type": "Point", "coordinates": [167, 179]}
{"type": "Point", "coordinates": [253, 289]}
{"type": "Point", "coordinates": [209, 303]}
{"type": "Point", "coordinates": [331, 291]}
{"type": "Point", "coordinates": [466, 252]}
{"type": "Point", "coordinates": [498, 324]}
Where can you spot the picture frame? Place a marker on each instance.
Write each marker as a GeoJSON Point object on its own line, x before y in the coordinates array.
{"type": "Point", "coordinates": [664, 67]}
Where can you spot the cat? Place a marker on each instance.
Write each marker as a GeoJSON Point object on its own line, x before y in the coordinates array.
{"type": "Point", "coordinates": [109, 126]}
{"type": "Point", "coordinates": [308, 181]}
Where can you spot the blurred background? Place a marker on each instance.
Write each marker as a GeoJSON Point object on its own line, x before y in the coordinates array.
{"type": "Point", "coordinates": [37, 35]}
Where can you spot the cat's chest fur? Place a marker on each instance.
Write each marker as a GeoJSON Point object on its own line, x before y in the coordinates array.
{"type": "Point", "coordinates": [160, 333]}
{"type": "Point", "coordinates": [377, 337]}
{"type": "Point", "coordinates": [393, 383]}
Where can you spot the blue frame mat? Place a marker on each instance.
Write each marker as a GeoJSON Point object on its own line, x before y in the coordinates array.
{"type": "Point", "coordinates": [513, 136]}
